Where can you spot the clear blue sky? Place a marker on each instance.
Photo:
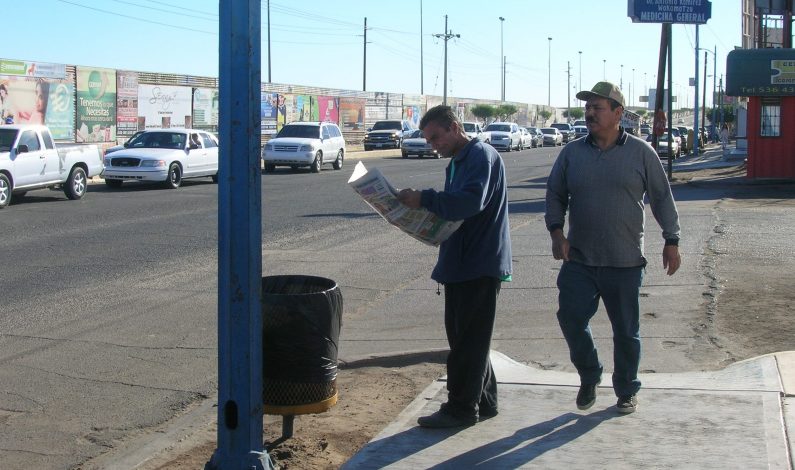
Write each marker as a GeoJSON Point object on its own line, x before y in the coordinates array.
{"type": "Point", "coordinates": [320, 43]}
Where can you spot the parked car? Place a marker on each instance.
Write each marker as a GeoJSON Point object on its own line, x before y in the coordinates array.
{"type": "Point", "coordinates": [124, 145]}
{"type": "Point", "coordinates": [164, 155]}
{"type": "Point", "coordinates": [505, 135]}
{"type": "Point", "coordinates": [552, 136]}
{"type": "Point", "coordinates": [415, 144]}
{"type": "Point", "coordinates": [662, 146]}
{"type": "Point", "coordinates": [566, 129]}
{"type": "Point", "coordinates": [527, 138]}
{"type": "Point", "coordinates": [305, 144]}
{"type": "Point", "coordinates": [538, 136]}
{"type": "Point", "coordinates": [387, 134]}
{"type": "Point", "coordinates": [645, 130]}
{"type": "Point", "coordinates": [579, 122]}
{"type": "Point", "coordinates": [683, 133]}
{"type": "Point", "coordinates": [30, 159]}
{"type": "Point", "coordinates": [679, 141]}
{"type": "Point", "coordinates": [580, 131]}
{"type": "Point", "coordinates": [474, 129]}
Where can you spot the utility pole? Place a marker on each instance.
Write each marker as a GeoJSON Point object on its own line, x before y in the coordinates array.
{"type": "Point", "coordinates": [568, 87]}
{"type": "Point", "coordinates": [704, 97]}
{"type": "Point", "coordinates": [502, 63]}
{"type": "Point", "coordinates": [269, 41]}
{"type": "Point", "coordinates": [364, 62]}
{"type": "Point", "coordinates": [549, 80]}
{"type": "Point", "coordinates": [422, 65]}
{"type": "Point", "coordinates": [580, 81]}
{"type": "Point", "coordinates": [714, 81]}
{"type": "Point", "coordinates": [446, 36]}
{"type": "Point", "coordinates": [695, 114]}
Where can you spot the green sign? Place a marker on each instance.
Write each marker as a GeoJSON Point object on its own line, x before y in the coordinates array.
{"type": "Point", "coordinates": [760, 72]}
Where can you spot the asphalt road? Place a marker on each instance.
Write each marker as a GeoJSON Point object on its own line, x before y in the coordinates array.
{"type": "Point", "coordinates": [108, 312]}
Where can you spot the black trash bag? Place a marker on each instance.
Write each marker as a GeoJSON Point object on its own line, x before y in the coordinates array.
{"type": "Point", "coordinates": [301, 321]}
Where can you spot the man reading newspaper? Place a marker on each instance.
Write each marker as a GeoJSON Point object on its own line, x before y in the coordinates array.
{"type": "Point", "coordinates": [472, 263]}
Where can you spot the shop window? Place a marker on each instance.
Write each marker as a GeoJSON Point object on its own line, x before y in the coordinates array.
{"type": "Point", "coordinates": [771, 117]}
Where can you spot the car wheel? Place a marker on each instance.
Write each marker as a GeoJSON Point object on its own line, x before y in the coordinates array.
{"type": "Point", "coordinates": [269, 168]}
{"type": "Point", "coordinates": [75, 186]}
{"type": "Point", "coordinates": [317, 163]}
{"type": "Point", "coordinates": [339, 161]}
{"type": "Point", "coordinates": [174, 177]}
{"type": "Point", "coordinates": [5, 191]}
{"type": "Point", "coordinates": [113, 183]}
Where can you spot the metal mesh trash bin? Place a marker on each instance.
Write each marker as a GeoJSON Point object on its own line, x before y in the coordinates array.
{"type": "Point", "coordinates": [301, 320]}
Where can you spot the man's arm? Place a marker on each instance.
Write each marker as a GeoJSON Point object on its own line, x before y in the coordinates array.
{"type": "Point", "coordinates": [560, 245]}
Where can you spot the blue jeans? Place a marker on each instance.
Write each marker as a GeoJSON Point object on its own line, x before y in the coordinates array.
{"type": "Point", "coordinates": [580, 288]}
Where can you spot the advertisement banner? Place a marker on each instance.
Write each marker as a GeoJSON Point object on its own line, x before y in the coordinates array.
{"type": "Point", "coordinates": [96, 105]}
{"type": "Point", "coordinates": [37, 101]}
{"type": "Point", "coordinates": [205, 109]}
{"type": "Point", "coordinates": [412, 114]}
{"type": "Point", "coordinates": [32, 69]}
{"type": "Point", "coordinates": [299, 108]}
{"type": "Point", "coordinates": [164, 106]}
{"type": "Point", "coordinates": [269, 111]}
{"type": "Point", "coordinates": [352, 113]}
{"type": "Point", "coordinates": [327, 109]}
{"type": "Point", "coordinates": [127, 103]}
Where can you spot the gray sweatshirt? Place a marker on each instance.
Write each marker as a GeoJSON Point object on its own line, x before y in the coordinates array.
{"type": "Point", "coordinates": [603, 192]}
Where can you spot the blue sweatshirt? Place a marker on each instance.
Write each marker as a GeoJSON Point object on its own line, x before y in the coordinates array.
{"type": "Point", "coordinates": [475, 191]}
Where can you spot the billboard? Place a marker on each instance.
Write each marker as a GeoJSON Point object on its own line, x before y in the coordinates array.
{"type": "Point", "coordinates": [205, 108]}
{"type": "Point", "coordinates": [26, 100]}
{"type": "Point", "coordinates": [669, 11]}
{"type": "Point", "coordinates": [96, 105]}
{"type": "Point", "coordinates": [164, 106]}
{"type": "Point", "coordinates": [126, 103]}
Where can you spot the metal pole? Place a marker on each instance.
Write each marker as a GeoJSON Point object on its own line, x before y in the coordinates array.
{"type": "Point", "coordinates": [704, 97]}
{"type": "Point", "coordinates": [269, 41]}
{"type": "Point", "coordinates": [240, 408]}
{"type": "Point", "coordinates": [364, 62]}
{"type": "Point", "coordinates": [549, 80]}
{"type": "Point", "coordinates": [502, 63]}
{"type": "Point", "coordinates": [444, 100]}
{"type": "Point", "coordinates": [580, 81]}
{"type": "Point", "coordinates": [604, 66]}
{"type": "Point", "coordinates": [670, 99]}
{"type": "Point", "coordinates": [714, 82]}
{"type": "Point", "coordinates": [422, 65]}
{"type": "Point", "coordinates": [568, 94]}
{"type": "Point", "coordinates": [695, 104]}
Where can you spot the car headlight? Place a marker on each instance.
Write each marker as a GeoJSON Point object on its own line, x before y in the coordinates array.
{"type": "Point", "coordinates": [153, 163]}
{"type": "Point", "coordinates": [267, 148]}
{"type": "Point", "coordinates": [106, 161]}
{"type": "Point", "coordinates": [306, 148]}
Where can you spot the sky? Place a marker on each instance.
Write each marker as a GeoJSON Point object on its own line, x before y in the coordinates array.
{"type": "Point", "coordinates": [321, 43]}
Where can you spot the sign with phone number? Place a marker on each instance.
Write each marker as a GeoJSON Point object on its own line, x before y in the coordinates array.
{"type": "Point", "coordinates": [760, 72]}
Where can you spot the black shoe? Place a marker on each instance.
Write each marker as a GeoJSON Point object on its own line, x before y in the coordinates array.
{"type": "Point", "coordinates": [443, 419]}
{"type": "Point", "coordinates": [627, 404]}
{"type": "Point", "coordinates": [586, 397]}
{"type": "Point", "coordinates": [487, 413]}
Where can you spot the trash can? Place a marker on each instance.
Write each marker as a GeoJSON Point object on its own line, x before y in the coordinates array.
{"type": "Point", "coordinates": [301, 320]}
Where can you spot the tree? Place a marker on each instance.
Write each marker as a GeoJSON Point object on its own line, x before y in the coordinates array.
{"type": "Point", "coordinates": [545, 114]}
{"type": "Point", "coordinates": [483, 111]}
{"type": "Point", "coordinates": [506, 110]}
{"type": "Point", "coordinates": [574, 113]}
{"type": "Point", "coordinates": [728, 114]}
{"type": "Point", "coordinates": [641, 112]}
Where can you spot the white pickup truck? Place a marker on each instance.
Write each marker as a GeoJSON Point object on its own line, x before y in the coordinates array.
{"type": "Point", "coordinates": [30, 160]}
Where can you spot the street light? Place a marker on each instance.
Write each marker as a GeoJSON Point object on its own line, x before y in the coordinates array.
{"type": "Point", "coordinates": [604, 65]}
{"type": "Point", "coordinates": [549, 80]}
{"type": "Point", "coordinates": [580, 52]}
{"type": "Point", "coordinates": [621, 82]}
{"type": "Point", "coordinates": [502, 63]}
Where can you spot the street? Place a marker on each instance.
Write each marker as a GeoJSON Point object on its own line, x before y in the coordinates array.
{"type": "Point", "coordinates": [108, 320]}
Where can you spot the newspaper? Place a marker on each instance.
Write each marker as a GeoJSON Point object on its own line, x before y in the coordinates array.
{"type": "Point", "coordinates": [421, 224]}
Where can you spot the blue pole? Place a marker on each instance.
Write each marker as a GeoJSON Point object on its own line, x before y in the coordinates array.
{"type": "Point", "coordinates": [694, 144]}
{"type": "Point", "coordinates": [240, 408]}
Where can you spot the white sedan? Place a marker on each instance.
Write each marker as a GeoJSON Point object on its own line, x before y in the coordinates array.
{"type": "Point", "coordinates": [163, 155]}
{"type": "Point", "coordinates": [552, 136]}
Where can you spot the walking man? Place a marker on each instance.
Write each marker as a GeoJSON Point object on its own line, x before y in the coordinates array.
{"type": "Point", "coordinates": [601, 182]}
{"type": "Point", "coordinates": [471, 263]}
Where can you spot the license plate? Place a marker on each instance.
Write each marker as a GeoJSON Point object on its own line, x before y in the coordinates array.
{"type": "Point", "coordinates": [379, 145]}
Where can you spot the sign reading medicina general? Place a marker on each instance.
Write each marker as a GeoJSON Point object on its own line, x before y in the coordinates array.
{"type": "Point", "coordinates": [669, 11]}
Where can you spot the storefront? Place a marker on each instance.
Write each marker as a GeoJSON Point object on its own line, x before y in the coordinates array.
{"type": "Point", "coordinates": [767, 78]}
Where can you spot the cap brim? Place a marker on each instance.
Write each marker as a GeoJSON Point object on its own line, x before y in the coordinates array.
{"type": "Point", "coordinates": [586, 95]}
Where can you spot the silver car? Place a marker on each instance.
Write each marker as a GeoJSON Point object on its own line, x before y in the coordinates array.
{"type": "Point", "coordinates": [552, 136]}
{"type": "Point", "coordinates": [415, 144]}
{"type": "Point", "coordinates": [505, 135]}
{"type": "Point", "coordinates": [305, 144]}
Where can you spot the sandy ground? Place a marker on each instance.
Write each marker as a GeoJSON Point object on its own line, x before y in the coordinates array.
{"type": "Point", "coordinates": [372, 393]}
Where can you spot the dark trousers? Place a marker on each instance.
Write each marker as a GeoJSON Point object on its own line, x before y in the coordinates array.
{"type": "Point", "coordinates": [469, 311]}
{"type": "Point", "coordinates": [581, 287]}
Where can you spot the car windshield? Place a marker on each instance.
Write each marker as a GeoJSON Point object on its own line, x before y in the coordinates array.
{"type": "Point", "coordinates": [560, 126]}
{"type": "Point", "coordinates": [305, 132]}
{"type": "Point", "coordinates": [416, 134]}
{"type": "Point", "coordinates": [469, 127]}
{"type": "Point", "coordinates": [548, 130]}
{"type": "Point", "coordinates": [499, 127]}
{"type": "Point", "coordinates": [533, 130]}
{"type": "Point", "coordinates": [169, 140]}
{"type": "Point", "coordinates": [386, 125]}
{"type": "Point", "coordinates": [7, 137]}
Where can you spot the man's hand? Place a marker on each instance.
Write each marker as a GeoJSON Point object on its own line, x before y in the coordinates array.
{"type": "Point", "coordinates": [411, 198]}
{"type": "Point", "coordinates": [671, 259]}
{"type": "Point", "coordinates": [560, 245]}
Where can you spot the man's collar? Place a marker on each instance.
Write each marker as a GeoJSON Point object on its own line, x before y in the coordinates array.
{"type": "Point", "coordinates": [622, 137]}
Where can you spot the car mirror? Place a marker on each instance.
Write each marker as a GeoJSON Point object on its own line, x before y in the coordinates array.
{"type": "Point", "coordinates": [22, 148]}
{"type": "Point", "coordinates": [369, 129]}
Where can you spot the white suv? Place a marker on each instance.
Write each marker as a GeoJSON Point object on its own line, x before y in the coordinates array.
{"type": "Point", "coordinates": [308, 144]}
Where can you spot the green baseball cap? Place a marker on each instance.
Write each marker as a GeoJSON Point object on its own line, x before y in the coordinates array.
{"type": "Point", "coordinates": [603, 90]}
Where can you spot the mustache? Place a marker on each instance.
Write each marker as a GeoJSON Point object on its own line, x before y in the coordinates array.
{"type": "Point", "coordinates": [589, 120]}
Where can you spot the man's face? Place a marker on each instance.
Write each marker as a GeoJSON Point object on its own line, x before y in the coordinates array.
{"type": "Point", "coordinates": [599, 118]}
{"type": "Point", "coordinates": [441, 139]}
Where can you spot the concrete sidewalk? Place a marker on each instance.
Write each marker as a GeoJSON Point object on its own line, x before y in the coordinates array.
{"type": "Point", "coordinates": [739, 417]}
{"type": "Point", "coordinates": [713, 157]}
